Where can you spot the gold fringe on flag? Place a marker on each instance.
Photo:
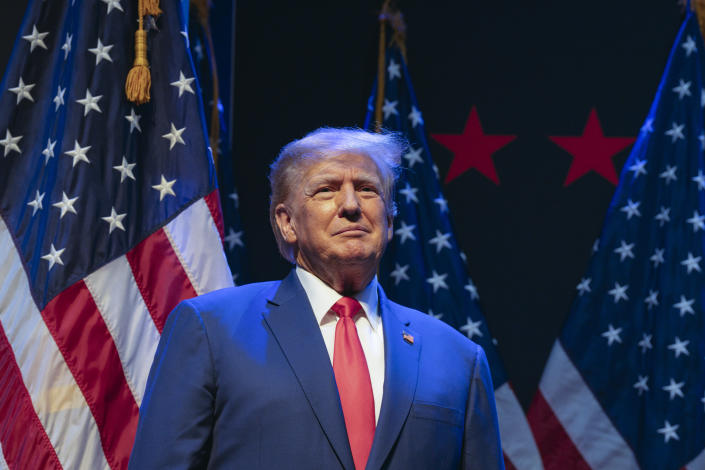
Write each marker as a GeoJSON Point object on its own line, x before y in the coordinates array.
{"type": "Point", "coordinates": [395, 19]}
{"type": "Point", "coordinates": [699, 6]}
{"type": "Point", "coordinates": [151, 7]}
{"type": "Point", "coordinates": [139, 80]}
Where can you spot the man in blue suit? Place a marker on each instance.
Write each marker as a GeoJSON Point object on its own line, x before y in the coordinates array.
{"type": "Point", "coordinates": [319, 370]}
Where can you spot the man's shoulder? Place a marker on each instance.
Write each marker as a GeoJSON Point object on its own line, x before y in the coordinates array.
{"type": "Point", "coordinates": [233, 299]}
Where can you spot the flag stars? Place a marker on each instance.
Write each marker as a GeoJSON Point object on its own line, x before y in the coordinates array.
{"type": "Point", "coordinates": [685, 306]}
{"type": "Point", "coordinates": [114, 220]}
{"type": "Point", "coordinates": [59, 98]}
{"type": "Point", "coordinates": [669, 430]}
{"type": "Point", "coordinates": [36, 203]}
{"type": "Point", "coordinates": [10, 143]}
{"type": "Point", "coordinates": [54, 256]}
{"type": "Point", "coordinates": [440, 241]}
{"type": "Point", "coordinates": [692, 263]}
{"type": "Point", "coordinates": [674, 389]}
{"type": "Point", "coordinates": [235, 198]}
{"type": "Point", "coordinates": [669, 174]}
{"type": "Point", "coordinates": [645, 343]}
{"type": "Point", "coordinates": [663, 216]}
{"type": "Point", "coordinates": [390, 108]}
{"type": "Point", "coordinates": [183, 84]}
{"type": "Point", "coordinates": [438, 281]}
{"type": "Point", "coordinates": [22, 90]}
{"type": "Point", "coordinates": [134, 120]}
{"type": "Point", "coordinates": [442, 203]}
{"type": "Point", "coordinates": [631, 209]}
{"type": "Point", "coordinates": [125, 169]}
{"type": "Point", "coordinates": [584, 285]}
{"type": "Point", "coordinates": [66, 205]}
{"type": "Point", "coordinates": [702, 97]}
{"type": "Point", "coordinates": [234, 238]}
{"type": "Point", "coordinates": [67, 45]}
{"type": "Point", "coordinates": [472, 328]}
{"type": "Point", "coordinates": [400, 273]}
{"type": "Point", "coordinates": [415, 117]}
{"type": "Point", "coordinates": [101, 51]}
{"type": "Point", "coordinates": [48, 151]}
{"type": "Point", "coordinates": [625, 250]}
{"type": "Point", "coordinates": [675, 132]}
{"type": "Point", "coordinates": [113, 5]}
{"type": "Point", "coordinates": [165, 188]}
{"type": "Point", "coordinates": [638, 168]}
{"type": "Point", "coordinates": [612, 335]}
{"type": "Point", "coordinates": [36, 39]}
{"type": "Point", "coordinates": [90, 102]}
{"type": "Point", "coordinates": [683, 89]}
{"type": "Point", "coordinates": [470, 287]}
{"type": "Point", "coordinates": [409, 193]}
{"type": "Point", "coordinates": [437, 316]}
{"type": "Point", "coordinates": [697, 221]}
{"type": "Point", "coordinates": [652, 299]}
{"type": "Point", "coordinates": [619, 292]}
{"type": "Point", "coordinates": [78, 153]}
{"type": "Point", "coordinates": [657, 257]}
{"type": "Point", "coordinates": [689, 46]}
{"type": "Point", "coordinates": [174, 136]}
{"type": "Point", "coordinates": [679, 347]}
{"type": "Point", "coordinates": [641, 384]}
{"type": "Point", "coordinates": [393, 70]}
{"type": "Point", "coordinates": [647, 127]}
{"type": "Point", "coordinates": [413, 156]}
{"type": "Point", "coordinates": [405, 232]}
{"type": "Point", "coordinates": [700, 180]}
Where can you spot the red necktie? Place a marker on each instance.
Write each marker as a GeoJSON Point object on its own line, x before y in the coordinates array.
{"type": "Point", "coordinates": [353, 379]}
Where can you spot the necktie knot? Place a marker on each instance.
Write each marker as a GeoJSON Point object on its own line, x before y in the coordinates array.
{"type": "Point", "coordinates": [346, 307]}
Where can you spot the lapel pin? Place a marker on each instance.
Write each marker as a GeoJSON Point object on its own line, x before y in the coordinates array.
{"type": "Point", "coordinates": [407, 337]}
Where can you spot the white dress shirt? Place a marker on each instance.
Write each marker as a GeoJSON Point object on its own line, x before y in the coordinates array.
{"type": "Point", "coordinates": [368, 324]}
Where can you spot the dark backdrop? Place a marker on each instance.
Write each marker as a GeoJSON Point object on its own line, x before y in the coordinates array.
{"type": "Point", "coordinates": [531, 71]}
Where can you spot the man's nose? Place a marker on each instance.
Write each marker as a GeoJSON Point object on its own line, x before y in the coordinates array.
{"type": "Point", "coordinates": [349, 202]}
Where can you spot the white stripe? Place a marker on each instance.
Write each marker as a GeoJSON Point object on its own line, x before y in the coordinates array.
{"type": "Point", "coordinates": [195, 239]}
{"type": "Point", "coordinates": [517, 439]}
{"type": "Point", "coordinates": [698, 463]}
{"type": "Point", "coordinates": [581, 415]}
{"type": "Point", "coordinates": [57, 400]}
{"type": "Point", "coordinates": [122, 307]}
{"type": "Point", "coordinates": [3, 463]}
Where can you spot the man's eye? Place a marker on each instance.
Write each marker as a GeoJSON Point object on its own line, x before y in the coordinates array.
{"type": "Point", "coordinates": [324, 190]}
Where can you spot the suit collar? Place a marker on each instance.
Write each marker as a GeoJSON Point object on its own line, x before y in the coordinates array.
{"type": "Point", "coordinates": [402, 346]}
{"type": "Point", "coordinates": [291, 320]}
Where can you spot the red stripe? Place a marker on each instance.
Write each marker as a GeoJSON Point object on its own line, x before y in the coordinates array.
{"type": "Point", "coordinates": [213, 203]}
{"type": "Point", "coordinates": [25, 443]}
{"type": "Point", "coordinates": [160, 276]}
{"type": "Point", "coordinates": [508, 463]}
{"type": "Point", "coordinates": [88, 349]}
{"type": "Point", "coordinates": [555, 445]}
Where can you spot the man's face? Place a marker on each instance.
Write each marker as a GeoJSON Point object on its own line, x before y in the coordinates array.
{"type": "Point", "coordinates": [337, 216]}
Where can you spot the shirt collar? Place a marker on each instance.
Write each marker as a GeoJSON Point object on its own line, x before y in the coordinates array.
{"type": "Point", "coordinates": [322, 297]}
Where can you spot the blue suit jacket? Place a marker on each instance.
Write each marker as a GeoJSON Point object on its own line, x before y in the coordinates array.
{"type": "Point", "coordinates": [242, 379]}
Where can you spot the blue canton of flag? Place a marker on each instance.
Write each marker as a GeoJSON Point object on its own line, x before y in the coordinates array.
{"type": "Point", "coordinates": [423, 266]}
{"type": "Point", "coordinates": [625, 383]}
{"type": "Point", "coordinates": [109, 217]}
{"type": "Point", "coordinates": [203, 55]}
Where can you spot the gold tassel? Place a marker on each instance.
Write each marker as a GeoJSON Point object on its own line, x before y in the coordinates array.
{"type": "Point", "coordinates": [139, 79]}
{"type": "Point", "coordinates": [151, 7]}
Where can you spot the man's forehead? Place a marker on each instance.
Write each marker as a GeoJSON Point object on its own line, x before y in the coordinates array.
{"type": "Point", "coordinates": [330, 165]}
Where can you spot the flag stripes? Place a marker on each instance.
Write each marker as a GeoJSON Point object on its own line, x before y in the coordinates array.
{"type": "Point", "coordinates": [579, 415]}
{"type": "Point", "coordinates": [22, 438]}
{"type": "Point", "coordinates": [512, 422]}
{"type": "Point", "coordinates": [91, 386]}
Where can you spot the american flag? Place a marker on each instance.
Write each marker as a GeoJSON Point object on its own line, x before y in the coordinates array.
{"type": "Point", "coordinates": [203, 47]}
{"type": "Point", "coordinates": [109, 215]}
{"type": "Point", "coordinates": [423, 267]}
{"type": "Point", "coordinates": [624, 386]}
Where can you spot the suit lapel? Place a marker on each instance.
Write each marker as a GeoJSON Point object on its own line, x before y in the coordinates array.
{"type": "Point", "coordinates": [294, 326]}
{"type": "Point", "coordinates": [401, 369]}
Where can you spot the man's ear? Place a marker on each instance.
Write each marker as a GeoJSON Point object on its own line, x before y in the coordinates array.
{"type": "Point", "coordinates": [390, 228]}
{"type": "Point", "coordinates": [282, 215]}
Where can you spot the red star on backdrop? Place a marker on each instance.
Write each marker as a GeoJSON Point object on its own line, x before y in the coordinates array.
{"type": "Point", "coordinates": [592, 151]}
{"type": "Point", "coordinates": [473, 149]}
